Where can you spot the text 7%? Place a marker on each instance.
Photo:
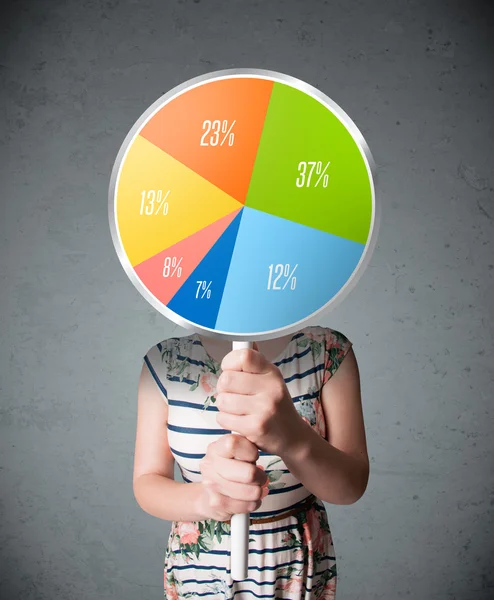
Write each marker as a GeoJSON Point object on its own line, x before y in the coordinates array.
{"type": "Point", "coordinates": [203, 288]}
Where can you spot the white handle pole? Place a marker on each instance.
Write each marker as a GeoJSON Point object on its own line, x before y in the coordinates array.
{"type": "Point", "coordinates": [239, 529]}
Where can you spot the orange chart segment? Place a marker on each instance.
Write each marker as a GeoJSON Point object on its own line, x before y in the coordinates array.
{"type": "Point", "coordinates": [165, 273]}
{"type": "Point", "coordinates": [160, 202]}
{"type": "Point", "coordinates": [215, 129]}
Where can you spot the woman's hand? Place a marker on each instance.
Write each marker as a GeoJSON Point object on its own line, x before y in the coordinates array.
{"type": "Point", "coordinates": [232, 482]}
{"type": "Point", "coordinates": [254, 401]}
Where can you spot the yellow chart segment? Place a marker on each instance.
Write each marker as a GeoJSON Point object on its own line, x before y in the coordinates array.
{"type": "Point", "coordinates": [160, 201]}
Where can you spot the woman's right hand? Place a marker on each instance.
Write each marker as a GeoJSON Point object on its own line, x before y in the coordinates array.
{"type": "Point", "coordinates": [231, 481]}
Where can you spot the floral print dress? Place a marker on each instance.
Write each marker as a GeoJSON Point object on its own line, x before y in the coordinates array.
{"type": "Point", "coordinates": [292, 557]}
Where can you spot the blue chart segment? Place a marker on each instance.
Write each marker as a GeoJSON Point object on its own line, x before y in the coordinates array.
{"type": "Point", "coordinates": [281, 272]}
{"type": "Point", "coordinates": [200, 297]}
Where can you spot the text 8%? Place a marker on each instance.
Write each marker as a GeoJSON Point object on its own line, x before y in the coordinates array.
{"type": "Point", "coordinates": [172, 267]}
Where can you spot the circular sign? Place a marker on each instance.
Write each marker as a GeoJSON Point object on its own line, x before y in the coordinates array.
{"type": "Point", "coordinates": [242, 204]}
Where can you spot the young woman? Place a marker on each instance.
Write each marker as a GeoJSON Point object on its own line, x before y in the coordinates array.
{"type": "Point", "coordinates": [296, 405]}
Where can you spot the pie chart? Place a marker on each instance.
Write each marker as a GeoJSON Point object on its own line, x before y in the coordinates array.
{"type": "Point", "coordinates": [242, 202]}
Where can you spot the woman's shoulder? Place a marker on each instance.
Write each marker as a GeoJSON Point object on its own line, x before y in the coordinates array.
{"type": "Point", "coordinates": [177, 344]}
{"type": "Point", "coordinates": [168, 350]}
{"type": "Point", "coordinates": [331, 338]}
{"type": "Point", "coordinates": [333, 346]}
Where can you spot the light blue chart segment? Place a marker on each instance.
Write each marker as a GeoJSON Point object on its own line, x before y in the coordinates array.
{"type": "Point", "coordinates": [325, 263]}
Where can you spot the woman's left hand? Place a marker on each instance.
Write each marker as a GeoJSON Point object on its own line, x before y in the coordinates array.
{"type": "Point", "coordinates": [254, 401]}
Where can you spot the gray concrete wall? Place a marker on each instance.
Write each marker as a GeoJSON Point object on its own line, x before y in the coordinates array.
{"type": "Point", "coordinates": [417, 78]}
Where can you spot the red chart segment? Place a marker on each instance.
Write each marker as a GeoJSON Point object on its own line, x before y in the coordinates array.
{"type": "Point", "coordinates": [164, 273]}
{"type": "Point", "coordinates": [200, 298]}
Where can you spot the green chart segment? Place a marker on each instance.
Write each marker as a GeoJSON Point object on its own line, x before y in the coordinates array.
{"type": "Point", "coordinates": [279, 249]}
{"type": "Point", "coordinates": [331, 189]}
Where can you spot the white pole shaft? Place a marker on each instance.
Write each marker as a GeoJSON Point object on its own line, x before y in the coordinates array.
{"type": "Point", "coordinates": [239, 531]}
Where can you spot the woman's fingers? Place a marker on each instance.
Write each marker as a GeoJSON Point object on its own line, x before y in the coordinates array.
{"type": "Point", "coordinates": [237, 446]}
{"type": "Point", "coordinates": [225, 507]}
{"type": "Point", "coordinates": [237, 491]}
{"type": "Point", "coordinates": [238, 471]}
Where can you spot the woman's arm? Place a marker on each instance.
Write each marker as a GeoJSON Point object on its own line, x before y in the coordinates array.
{"type": "Point", "coordinates": [337, 470]}
{"type": "Point", "coordinates": [155, 489]}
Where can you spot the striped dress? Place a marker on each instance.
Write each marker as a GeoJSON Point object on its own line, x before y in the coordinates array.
{"type": "Point", "coordinates": [289, 558]}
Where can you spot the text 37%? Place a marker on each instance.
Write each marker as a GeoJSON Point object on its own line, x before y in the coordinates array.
{"type": "Point", "coordinates": [307, 168]}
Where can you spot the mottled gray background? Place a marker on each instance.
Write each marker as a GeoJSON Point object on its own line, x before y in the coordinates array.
{"type": "Point", "coordinates": [417, 77]}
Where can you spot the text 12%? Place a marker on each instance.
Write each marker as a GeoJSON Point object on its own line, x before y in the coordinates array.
{"type": "Point", "coordinates": [281, 271]}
